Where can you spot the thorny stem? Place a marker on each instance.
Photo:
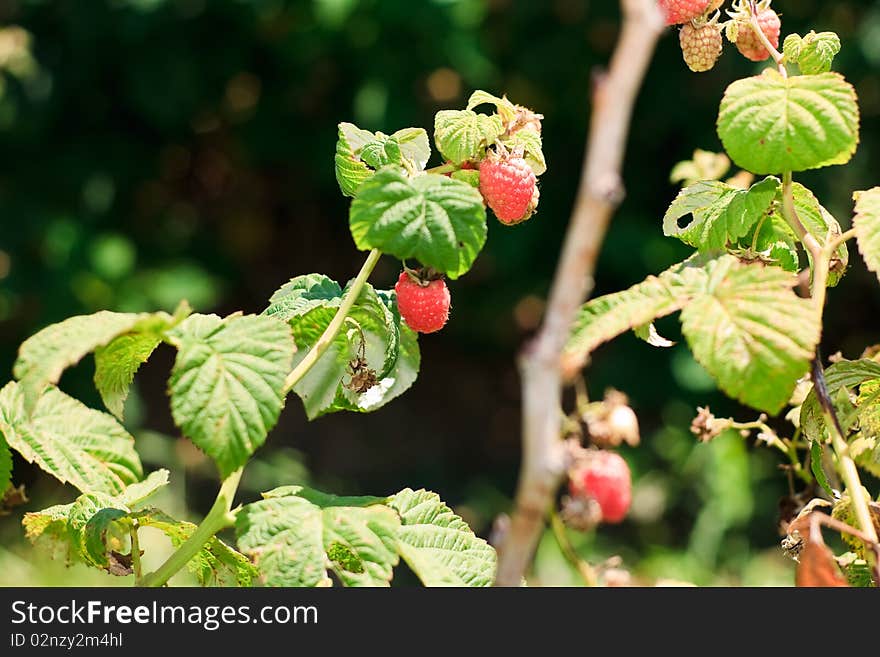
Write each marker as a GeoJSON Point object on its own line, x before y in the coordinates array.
{"type": "Point", "coordinates": [821, 262]}
{"type": "Point", "coordinates": [219, 517]}
{"type": "Point", "coordinates": [584, 569]}
{"type": "Point", "coordinates": [336, 323]}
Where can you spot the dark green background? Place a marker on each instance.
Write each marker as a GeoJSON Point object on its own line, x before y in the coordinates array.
{"type": "Point", "coordinates": [153, 150]}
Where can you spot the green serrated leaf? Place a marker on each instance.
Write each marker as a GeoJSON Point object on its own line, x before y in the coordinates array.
{"type": "Point", "coordinates": [606, 317]}
{"type": "Point", "coordinates": [845, 374]}
{"type": "Point", "coordinates": [227, 383]}
{"type": "Point", "coordinates": [462, 135]}
{"type": "Point", "coordinates": [139, 492]}
{"type": "Point", "coordinates": [533, 150]}
{"type": "Point", "coordinates": [438, 545]}
{"type": "Point", "coordinates": [771, 124]}
{"type": "Point", "coordinates": [437, 220]}
{"type": "Point", "coordinates": [867, 226]}
{"type": "Point", "coordinates": [791, 48]}
{"type": "Point", "coordinates": [414, 146]}
{"type": "Point", "coordinates": [350, 170]}
{"type": "Point", "coordinates": [294, 540]}
{"type": "Point", "coordinates": [506, 109]}
{"type": "Point", "coordinates": [215, 564]}
{"type": "Point", "coordinates": [751, 332]}
{"type": "Point", "coordinates": [73, 443]}
{"type": "Point", "coordinates": [380, 151]}
{"type": "Point", "coordinates": [721, 213]}
{"type": "Point", "coordinates": [817, 52]}
{"type": "Point", "coordinates": [117, 362]}
{"type": "Point", "coordinates": [309, 303]}
{"type": "Point", "coordinates": [43, 357]}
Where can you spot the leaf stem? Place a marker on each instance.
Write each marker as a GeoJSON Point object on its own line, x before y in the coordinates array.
{"type": "Point", "coordinates": [335, 325]}
{"type": "Point", "coordinates": [821, 263]}
{"type": "Point", "coordinates": [135, 551]}
{"type": "Point", "coordinates": [584, 569]}
{"type": "Point", "coordinates": [219, 517]}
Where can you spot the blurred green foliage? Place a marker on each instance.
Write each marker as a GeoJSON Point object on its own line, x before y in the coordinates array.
{"type": "Point", "coordinates": [154, 150]}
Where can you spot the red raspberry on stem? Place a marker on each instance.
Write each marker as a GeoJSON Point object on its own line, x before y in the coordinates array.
{"type": "Point", "coordinates": [683, 11]}
{"type": "Point", "coordinates": [605, 477]}
{"type": "Point", "coordinates": [750, 44]}
{"type": "Point", "coordinates": [423, 304]}
{"type": "Point", "coordinates": [509, 187]}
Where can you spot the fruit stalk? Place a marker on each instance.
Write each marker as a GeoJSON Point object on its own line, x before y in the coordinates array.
{"type": "Point", "coordinates": [336, 323]}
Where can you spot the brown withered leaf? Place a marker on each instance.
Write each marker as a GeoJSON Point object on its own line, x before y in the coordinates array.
{"type": "Point", "coordinates": [817, 567]}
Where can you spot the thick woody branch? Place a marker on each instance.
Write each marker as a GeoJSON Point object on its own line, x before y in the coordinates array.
{"type": "Point", "coordinates": [600, 192]}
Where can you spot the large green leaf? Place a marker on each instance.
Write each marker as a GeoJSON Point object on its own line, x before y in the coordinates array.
{"type": "Point", "coordinates": [295, 535]}
{"type": "Point", "coordinates": [73, 443]}
{"type": "Point", "coordinates": [845, 374]}
{"type": "Point", "coordinates": [227, 383]}
{"type": "Point", "coordinates": [309, 303]}
{"type": "Point", "coordinates": [43, 357]}
{"type": "Point", "coordinates": [438, 545]}
{"type": "Point", "coordinates": [606, 317]}
{"type": "Point", "coordinates": [435, 219]}
{"type": "Point", "coordinates": [722, 213]}
{"type": "Point", "coordinates": [117, 362]}
{"type": "Point", "coordinates": [751, 332]}
{"type": "Point", "coordinates": [463, 135]}
{"type": "Point", "coordinates": [771, 124]}
{"type": "Point", "coordinates": [867, 225]}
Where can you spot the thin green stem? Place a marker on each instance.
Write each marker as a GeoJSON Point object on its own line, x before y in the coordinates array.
{"type": "Point", "coordinates": [135, 551]}
{"type": "Point", "coordinates": [219, 517]}
{"type": "Point", "coordinates": [821, 264]}
{"type": "Point", "coordinates": [859, 497]}
{"type": "Point", "coordinates": [834, 244]}
{"type": "Point", "coordinates": [584, 569]}
{"type": "Point", "coordinates": [449, 167]}
{"type": "Point", "coordinates": [336, 323]}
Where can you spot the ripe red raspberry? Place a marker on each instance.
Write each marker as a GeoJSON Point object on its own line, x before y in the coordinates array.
{"type": "Point", "coordinates": [701, 46]}
{"type": "Point", "coordinates": [683, 11]}
{"type": "Point", "coordinates": [509, 187]}
{"type": "Point", "coordinates": [604, 477]}
{"type": "Point", "coordinates": [750, 45]}
{"type": "Point", "coordinates": [423, 305]}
